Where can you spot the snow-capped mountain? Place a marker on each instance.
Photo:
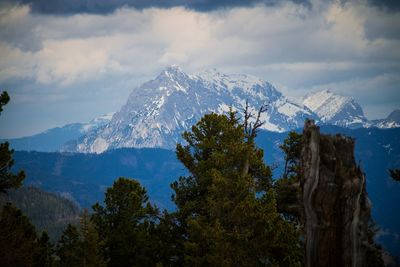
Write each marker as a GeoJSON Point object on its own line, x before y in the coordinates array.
{"type": "Point", "coordinates": [337, 110]}
{"type": "Point", "coordinates": [392, 121]}
{"type": "Point", "coordinates": [160, 110]}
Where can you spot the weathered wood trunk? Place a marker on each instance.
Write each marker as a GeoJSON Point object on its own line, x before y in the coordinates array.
{"type": "Point", "coordinates": [336, 206]}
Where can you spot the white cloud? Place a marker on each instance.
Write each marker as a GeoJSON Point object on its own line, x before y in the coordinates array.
{"type": "Point", "coordinates": [295, 47]}
{"type": "Point", "coordinates": [72, 48]}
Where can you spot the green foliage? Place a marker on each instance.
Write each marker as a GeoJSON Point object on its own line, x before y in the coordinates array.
{"type": "Point", "coordinates": [169, 232]}
{"type": "Point", "coordinates": [287, 188]}
{"type": "Point", "coordinates": [91, 246]}
{"type": "Point", "coordinates": [18, 241]}
{"type": "Point", "coordinates": [126, 224]}
{"type": "Point", "coordinates": [8, 180]}
{"type": "Point", "coordinates": [291, 147]}
{"type": "Point", "coordinates": [4, 99]}
{"type": "Point", "coordinates": [80, 247]}
{"type": "Point", "coordinates": [287, 196]}
{"type": "Point", "coordinates": [44, 257]}
{"type": "Point", "coordinates": [47, 211]}
{"type": "Point", "coordinates": [395, 174]}
{"type": "Point", "coordinates": [374, 250]}
{"type": "Point", "coordinates": [19, 244]}
{"type": "Point", "coordinates": [69, 248]}
{"type": "Point", "coordinates": [226, 208]}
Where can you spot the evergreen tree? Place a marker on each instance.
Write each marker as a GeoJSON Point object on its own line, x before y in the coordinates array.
{"type": "Point", "coordinates": [44, 257]}
{"type": "Point", "coordinates": [126, 224]}
{"type": "Point", "coordinates": [69, 248]}
{"type": "Point", "coordinates": [226, 208]}
{"type": "Point", "coordinates": [7, 179]}
{"type": "Point", "coordinates": [18, 240]}
{"type": "Point", "coordinates": [4, 99]}
{"type": "Point", "coordinates": [287, 197]}
{"type": "Point", "coordinates": [91, 245]}
{"type": "Point", "coordinates": [287, 188]}
{"type": "Point", "coordinates": [291, 147]}
{"type": "Point", "coordinates": [374, 250]}
{"type": "Point", "coordinates": [168, 235]}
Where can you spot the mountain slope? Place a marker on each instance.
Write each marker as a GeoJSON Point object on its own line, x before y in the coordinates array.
{"type": "Point", "coordinates": [160, 110]}
{"type": "Point", "coordinates": [48, 211]}
{"type": "Point", "coordinates": [336, 110]}
{"type": "Point", "coordinates": [84, 177]}
{"type": "Point", "coordinates": [53, 139]}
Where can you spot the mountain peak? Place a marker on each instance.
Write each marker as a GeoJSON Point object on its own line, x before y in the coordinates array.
{"type": "Point", "coordinates": [173, 74]}
{"type": "Point", "coordinates": [246, 83]}
{"type": "Point", "coordinates": [392, 121]}
{"type": "Point", "coordinates": [394, 116]}
{"type": "Point", "coordinates": [173, 70]}
{"type": "Point", "coordinates": [336, 109]}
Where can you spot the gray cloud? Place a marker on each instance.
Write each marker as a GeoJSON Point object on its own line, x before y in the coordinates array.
{"type": "Point", "coordinates": [387, 5]}
{"type": "Point", "coordinates": [51, 62]}
{"type": "Point", "coordinates": [63, 7]}
{"type": "Point", "coordinates": [383, 27]}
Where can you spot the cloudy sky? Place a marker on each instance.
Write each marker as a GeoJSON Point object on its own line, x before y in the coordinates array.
{"type": "Point", "coordinates": [70, 61]}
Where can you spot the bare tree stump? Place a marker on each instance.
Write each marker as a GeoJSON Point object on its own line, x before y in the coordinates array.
{"type": "Point", "coordinates": [336, 206]}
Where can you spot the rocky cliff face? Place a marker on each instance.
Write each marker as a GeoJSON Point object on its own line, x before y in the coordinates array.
{"type": "Point", "coordinates": [336, 206]}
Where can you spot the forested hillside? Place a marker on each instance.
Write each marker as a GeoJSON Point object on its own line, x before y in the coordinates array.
{"type": "Point", "coordinates": [47, 211]}
{"type": "Point", "coordinates": [84, 177]}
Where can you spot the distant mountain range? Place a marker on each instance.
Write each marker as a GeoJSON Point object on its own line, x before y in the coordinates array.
{"type": "Point", "coordinates": [160, 110]}
{"type": "Point", "coordinates": [53, 139]}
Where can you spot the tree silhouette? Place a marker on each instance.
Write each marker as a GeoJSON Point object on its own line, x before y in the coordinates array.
{"type": "Point", "coordinates": [395, 174]}
{"type": "Point", "coordinates": [7, 179]}
{"type": "Point", "coordinates": [125, 224]}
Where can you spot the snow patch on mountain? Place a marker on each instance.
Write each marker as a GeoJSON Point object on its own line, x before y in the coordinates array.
{"type": "Point", "coordinates": [97, 122]}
